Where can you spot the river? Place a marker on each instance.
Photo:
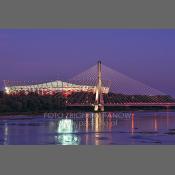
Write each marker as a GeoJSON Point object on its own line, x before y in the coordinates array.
{"type": "Point", "coordinates": [87, 128]}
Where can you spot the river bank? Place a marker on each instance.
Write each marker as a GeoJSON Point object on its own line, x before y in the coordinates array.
{"type": "Point", "coordinates": [76, 110]}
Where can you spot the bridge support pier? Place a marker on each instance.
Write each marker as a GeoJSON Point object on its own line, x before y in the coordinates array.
{"type": "Point", "coordinates": [99, 103]}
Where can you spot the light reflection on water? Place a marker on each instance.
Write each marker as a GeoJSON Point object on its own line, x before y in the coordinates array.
{"type": "Point", "coordinates": [140, 127]}
{"type": "Point", "coordinates": [65, 131]}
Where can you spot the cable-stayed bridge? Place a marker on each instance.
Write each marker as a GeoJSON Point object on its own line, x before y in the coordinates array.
{"type": "Point", "coordinates": [122, 90]}
{"type": "Point", "coordinates": [97, 87]}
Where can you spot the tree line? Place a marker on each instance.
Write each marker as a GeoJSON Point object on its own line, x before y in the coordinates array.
{"type": "Point", "coordinates": [30, 103]}
{"type": "Point", "coordinates": [35, 103]}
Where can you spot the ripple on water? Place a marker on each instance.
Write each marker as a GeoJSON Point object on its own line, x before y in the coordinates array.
{"type": "Point", "coordinates": [102, 138]}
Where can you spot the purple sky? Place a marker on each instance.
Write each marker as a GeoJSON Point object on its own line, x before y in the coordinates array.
{"type": "Point", "coordinates": [43, 54]}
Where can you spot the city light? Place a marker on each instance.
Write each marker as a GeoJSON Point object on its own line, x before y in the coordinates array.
{"type": "Point", "coordinates": [7, 90]}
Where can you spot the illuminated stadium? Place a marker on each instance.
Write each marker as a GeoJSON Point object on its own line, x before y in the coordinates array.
{"type": "Point", "coordinates": [48, 88]}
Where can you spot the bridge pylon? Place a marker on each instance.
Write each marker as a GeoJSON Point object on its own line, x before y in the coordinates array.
{"type": "Point", "coordinates": [99, 102]}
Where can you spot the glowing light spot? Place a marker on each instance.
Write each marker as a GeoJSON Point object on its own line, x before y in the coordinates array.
{"type": "Point", "coordinates": [7, 90]}
{"type": "Point", "coordinates": [65, 129]}
{"type": "Point", "coordinates": [65, 126]}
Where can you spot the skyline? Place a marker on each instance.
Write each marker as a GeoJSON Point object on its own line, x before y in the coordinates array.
{"type": "Point", "coordinates": [56, 53]}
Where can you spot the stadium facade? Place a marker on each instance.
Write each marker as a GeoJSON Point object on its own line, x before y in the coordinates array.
{"type": "Point", "coordinates": [49, 88]}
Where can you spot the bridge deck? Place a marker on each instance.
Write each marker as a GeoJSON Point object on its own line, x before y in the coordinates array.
{"type": "Point", "coordinates": [127, 104]}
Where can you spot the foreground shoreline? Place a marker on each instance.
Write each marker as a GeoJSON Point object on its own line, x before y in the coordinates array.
{"type": "Point", "coordinates": [78, 111]}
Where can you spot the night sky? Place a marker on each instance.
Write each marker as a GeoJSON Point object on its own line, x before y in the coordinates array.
{"type": "Point", "coordinates": [145, 55]}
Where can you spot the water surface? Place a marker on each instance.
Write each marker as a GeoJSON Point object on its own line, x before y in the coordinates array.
{"type": "Point", "coordinates": [86, 128]}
